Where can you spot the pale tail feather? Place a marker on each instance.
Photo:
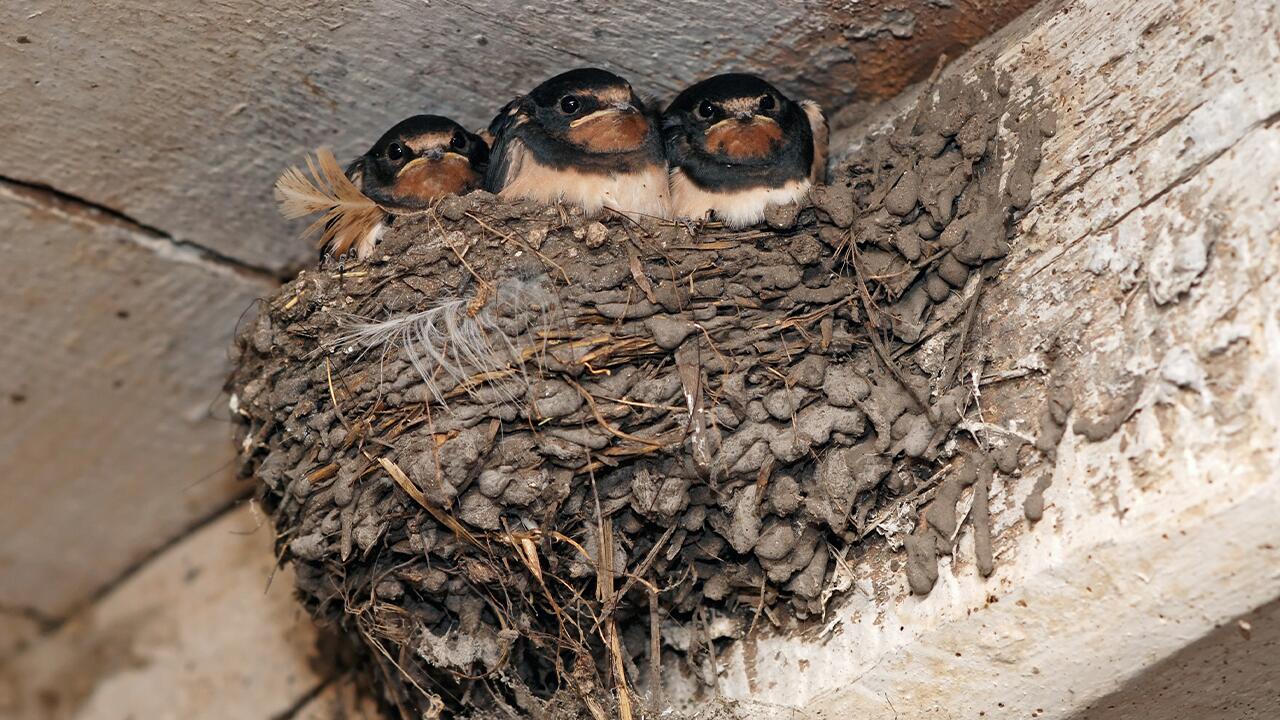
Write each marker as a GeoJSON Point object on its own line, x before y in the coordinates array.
{"type": "Point", "coordinates": [348, 218]}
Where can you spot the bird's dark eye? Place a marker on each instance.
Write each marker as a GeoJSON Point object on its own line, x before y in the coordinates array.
{"type": "Point", "coordinates": [569, 104]}
{"type": "Point", "coordinates": [395, 151]}
{"type": "Point", "coordinates": [706, 109]}
{"type": "Point", "coordinates": [768, 103]}
{"type": "Point", "coordinates": [458, 141]}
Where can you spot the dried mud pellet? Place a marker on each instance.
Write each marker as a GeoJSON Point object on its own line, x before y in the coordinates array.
{"type": "Point", "coordinates": [784, 495]}
{"type": "Point", "coordinates": [844, 385]}
{"type": "Point", "coordinates": [744, 526]}
{"type": "Point", "coordinates": [805, 250]}
{"type": "Point", "coordinates": [954, 272]}
{"type": "Point", "coordinates": [907, 242]}
{"type": "Point", "coordinates": [782, 216]}
{"type": "Point", "coordinates": [809, 581]}
{"type": "Point", "coordinates": [835, 202]}
{"type": "Point", "coordinates": [775, 541]}
{"type": "Point", "coordinates": [783, 403]}
{"type": "Point", "coordinates": [916, 435]}
{"type": "Point", "coordinates": [479, 511]}
{"type": "Point", "coordinates": [1018, 189]}
{"type": "Point", "coordinates": [716, 588]}
{"type": "Point", "coordinates": [904, 195]}
{"type": "Point", "coordinates": [932, 144]}
{"type": "Point", "coordinates": [937, 288]}
{"type": "Point", "coordinates": [973, 137]}
{"type": "Point", "coordinates": [809, 372]}
{"type": "Point", "coordinates": [549, 399]}
{"type": "Point", "coordinates": [925, 228]}
{"type": "Point", "coordinates": [922, 562]}
{"type": "Point", "coordinates": [493, 482]}
{"type": "Point", "coordinates": [263, 333]}
{"type": "Point", "coordinates": [452, 207]}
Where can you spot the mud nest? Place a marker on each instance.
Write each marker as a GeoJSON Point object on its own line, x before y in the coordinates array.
{"type": "Point", "coordinates": [530, 460]}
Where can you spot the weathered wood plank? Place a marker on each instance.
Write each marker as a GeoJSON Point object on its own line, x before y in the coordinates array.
{"type": "Point", "coordinates": [113, 435]}
{"type": "Point", "coordinates": [1152, 537]}
{"type": "Point", "coordinates": [17, 630]}
{"type": "Point", "coordinates": [339, 701]}
{"type": "Point", "coordinates": [204, 631]}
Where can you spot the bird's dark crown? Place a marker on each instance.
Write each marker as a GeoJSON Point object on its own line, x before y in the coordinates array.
{"type": "Point", "coordinates": [581, 81]}
{"type": "Point", "coordinates": [420, 133]}
{"type": "Point", "coordinates": [723, 89]}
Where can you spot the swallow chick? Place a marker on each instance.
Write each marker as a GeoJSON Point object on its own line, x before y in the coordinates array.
{"type": "Point", "coordinates": [419, 160]}
{"type": "Point", "coordinates": [583, 138]}
{"type": "Point", "coordinates": [737, 145]}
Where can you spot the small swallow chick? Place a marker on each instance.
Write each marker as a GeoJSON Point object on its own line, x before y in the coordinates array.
{"type": "Point", "coordinates": [583, 138]}
{"type": "Point", "coordinates": [419, 160]}
{"type": "Point", "coordinates": [737, 145]}
{"type": "Point", "coordinates": [416, 162]}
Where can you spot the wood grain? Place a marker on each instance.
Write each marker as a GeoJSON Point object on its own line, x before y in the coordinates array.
{"type": "Point", "coordinates": [206, 631]}
{"type": "Point", "coordinates": [113, 432]}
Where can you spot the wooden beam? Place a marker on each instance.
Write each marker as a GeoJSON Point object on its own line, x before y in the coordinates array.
{"type": "Point", "coordinates": [207, 630]}
{"type": "Point", "coordinates": [113, 434]}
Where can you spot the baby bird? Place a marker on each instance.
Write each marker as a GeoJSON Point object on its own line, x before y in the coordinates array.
{"type": "Point", "coordinates": [584, 138]}
{"type": "Point", "coordinates": [416, 162]}
{"type": "Point", "coordinates": [737, 145]}
{"type": "Point", "coordinates": [420, 159]}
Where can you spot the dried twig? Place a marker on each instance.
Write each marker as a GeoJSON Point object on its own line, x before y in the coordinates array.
{"type": "Point", "coordinates": [640, 571]}
{"type": "Point", "coordinates": [655, 651]}
{"type": "Point", "coordinates": [711, 650]}
{"type": "Point", "coordinates": [957, 351]}
{"type": "Point", "coordinates": [412, 491]}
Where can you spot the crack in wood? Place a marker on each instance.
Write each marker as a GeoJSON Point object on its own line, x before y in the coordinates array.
{"type": "Point", "coordinates": [304, 700]}
{"type": "Point", "coordinates": [78, 208]}
{"type": "Point", "coordinates": [54, 623]}
{"type": "Point", "coordinates": [1126, 150]}
{"type": "Point", "coordinates": [1183, 178]}
{"type": "Point", "coordinates": [23, 612]}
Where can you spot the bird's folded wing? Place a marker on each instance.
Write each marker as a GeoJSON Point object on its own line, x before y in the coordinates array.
{"type": "Point", "coordinates": [818, 126]}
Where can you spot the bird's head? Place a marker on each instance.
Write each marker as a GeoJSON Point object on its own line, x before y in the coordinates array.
{"type": "Point", "coordinates": [421, 159]}
{"type": "Point", "coordinates": [587, 110]}
{"type": "Point", "coordinates": [736, 119]}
